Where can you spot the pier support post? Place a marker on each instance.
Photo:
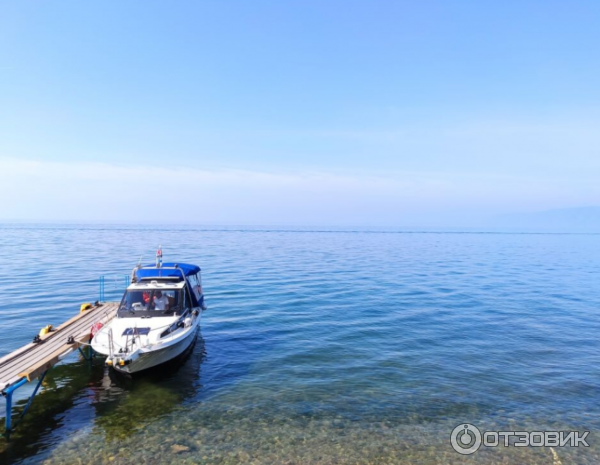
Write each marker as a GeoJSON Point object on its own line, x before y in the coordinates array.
{"type": "Point", "coordinates": [8, 392]}
{"type": "Point", "coordinates": [90, 353]}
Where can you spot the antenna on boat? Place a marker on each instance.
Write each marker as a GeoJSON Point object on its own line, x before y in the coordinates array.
{"type": "Point", "coordinates": [159, 257]}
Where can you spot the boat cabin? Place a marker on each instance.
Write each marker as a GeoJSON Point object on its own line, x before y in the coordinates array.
{"type": "Point", "coordinates": [167, 290]}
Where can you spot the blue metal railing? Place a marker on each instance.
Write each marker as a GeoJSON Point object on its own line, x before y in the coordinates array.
{"type": "Point", "coordinates": [116, 286]}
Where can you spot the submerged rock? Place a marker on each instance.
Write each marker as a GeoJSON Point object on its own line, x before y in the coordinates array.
{"type": "Point", "coordinates": [178, 449]}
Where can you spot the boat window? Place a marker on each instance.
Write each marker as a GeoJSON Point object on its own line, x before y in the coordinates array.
{"type": "Point", "coordinates": [133, 300]}
{"type": "Point", "coordinates": [196, 285]}
{"type": "Point", "coordinates": [151, 302]}
{"type": "Point", "coordinates": [187, 304]}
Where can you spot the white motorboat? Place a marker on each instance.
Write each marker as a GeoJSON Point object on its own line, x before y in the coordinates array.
{"type": "Point", "coordinates": [157, 320]}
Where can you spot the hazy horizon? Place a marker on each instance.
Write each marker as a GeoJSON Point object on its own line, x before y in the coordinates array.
{"type": "Point", "coordinates": [572, 220]}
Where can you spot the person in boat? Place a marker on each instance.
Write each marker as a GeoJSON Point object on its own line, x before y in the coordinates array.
{"type": "Point", "coordinates": [161, 301]}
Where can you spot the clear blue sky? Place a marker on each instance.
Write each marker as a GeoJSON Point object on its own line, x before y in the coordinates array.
{"type": "Point", "coordinates": [345, 112]}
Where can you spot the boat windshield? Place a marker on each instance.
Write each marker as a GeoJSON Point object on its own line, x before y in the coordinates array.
{"type": "Point", "coordinates": [152, 302]}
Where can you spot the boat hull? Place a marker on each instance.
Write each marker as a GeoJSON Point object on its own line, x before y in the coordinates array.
{"type": "Point", "coordinates": [154, 358]}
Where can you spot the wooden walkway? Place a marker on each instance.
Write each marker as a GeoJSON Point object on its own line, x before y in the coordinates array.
{"type": "Point", "coordinates": [34, 359]}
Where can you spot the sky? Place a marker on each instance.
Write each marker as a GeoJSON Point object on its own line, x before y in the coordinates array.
{"type": "Point", "coordinates": [332, 113]}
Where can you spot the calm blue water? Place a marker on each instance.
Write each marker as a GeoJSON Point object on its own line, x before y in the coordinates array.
{"type": "Point", "coordinates": [318, 347]}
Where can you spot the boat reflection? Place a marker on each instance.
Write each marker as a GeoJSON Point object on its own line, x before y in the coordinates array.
{"type": "Point", "coordinates": [125, 403]}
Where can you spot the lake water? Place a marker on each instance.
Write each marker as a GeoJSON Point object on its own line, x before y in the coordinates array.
{"type": "Point", "coordinates": [318, 347]}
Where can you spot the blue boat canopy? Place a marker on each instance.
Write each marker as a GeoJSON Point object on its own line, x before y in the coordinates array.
{"type": "Point", "coordinates": [167, 271]}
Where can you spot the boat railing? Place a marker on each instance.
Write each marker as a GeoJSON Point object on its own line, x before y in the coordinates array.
{"type": "Point", "coordinates": [111, 350]}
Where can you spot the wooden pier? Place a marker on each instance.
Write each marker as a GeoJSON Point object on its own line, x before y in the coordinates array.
{"type": "Point", "coordinates": [33, 360]}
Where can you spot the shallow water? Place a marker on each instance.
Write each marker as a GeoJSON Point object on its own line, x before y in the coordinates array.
{"type": "Point", "coordinates": [318, 346]}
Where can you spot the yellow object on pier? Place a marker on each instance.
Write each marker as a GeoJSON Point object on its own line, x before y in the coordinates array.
{"type": "Point", "coordinates": [84, 307]}
{"type": "Point", "coordinates": [45, 330]}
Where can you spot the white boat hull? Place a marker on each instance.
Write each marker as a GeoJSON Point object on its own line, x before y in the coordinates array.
{"type": "Point", "coordinates": [153, 358]}
{"type": "Point", "coordinates": [129, 354]}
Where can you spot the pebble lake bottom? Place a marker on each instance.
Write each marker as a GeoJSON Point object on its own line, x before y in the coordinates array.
{"type": "Point", "coordinates": [318, 347]}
